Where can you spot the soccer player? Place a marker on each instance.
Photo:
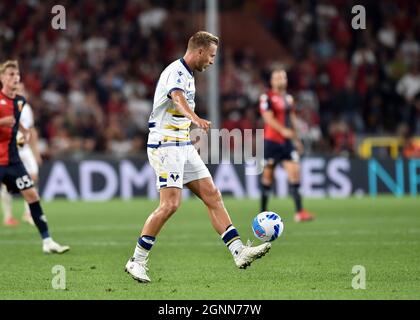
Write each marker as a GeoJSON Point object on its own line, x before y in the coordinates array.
{"type": "Point", "coordinates": [280, 141]}
{"type": "Point", "coordinates": [30, 156]}
{"type": "Point", "coordinates": [177, 163]}
{"type": "Point", "coordinates": [12, 172]}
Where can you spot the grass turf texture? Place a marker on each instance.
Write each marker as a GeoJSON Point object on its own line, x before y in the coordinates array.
{"type": "Point", "coordinates": [189, 260]}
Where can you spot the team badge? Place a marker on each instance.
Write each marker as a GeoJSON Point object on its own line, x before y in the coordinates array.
{"type": "Point", "coordinates": [174, 176]}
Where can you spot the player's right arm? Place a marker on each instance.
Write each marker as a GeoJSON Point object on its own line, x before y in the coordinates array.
{"type": "Point", "coordinates": [182, 106]}
{"type": "Point", "coordinates": [270, 119]}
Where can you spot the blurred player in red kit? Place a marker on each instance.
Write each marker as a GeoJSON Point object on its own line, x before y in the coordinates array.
{"type": "Point", "coordinates": [12, 172]}
{"type": "Point", "coordinates": [281, 143]}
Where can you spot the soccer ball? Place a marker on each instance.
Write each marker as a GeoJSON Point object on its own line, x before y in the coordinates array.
{"type": "Point", "coordinates": [267, 226]}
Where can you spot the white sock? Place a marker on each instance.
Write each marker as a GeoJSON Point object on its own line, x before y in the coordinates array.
{"type": "Point", "coordinates": [236, 247]}
{"type": "Point", "coordinates": [6, 202]}
{"type": "Point", "coordinates": [140, 253]}
{"type": "Point", "coordinates": [47, 240]}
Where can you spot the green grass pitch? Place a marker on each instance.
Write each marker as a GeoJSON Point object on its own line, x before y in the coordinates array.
{"type": "Point", "coordinates": [189, 261]}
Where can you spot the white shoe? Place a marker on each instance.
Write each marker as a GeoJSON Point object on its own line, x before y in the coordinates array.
{"type": "Point", "coordinates": [50, 246]}
{"type": "Point", "coordinates": [249, 254]}
{"type": "Point", "coordinates": [138, 270]}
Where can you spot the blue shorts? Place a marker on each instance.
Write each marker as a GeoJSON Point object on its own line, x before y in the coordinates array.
{"type": "Point", "coordinates": [277, 152]}
{"type": "Point", "coordinates": [15, 177]}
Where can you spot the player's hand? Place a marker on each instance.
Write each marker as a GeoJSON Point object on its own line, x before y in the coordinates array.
{"type": "Point", "coordinates": [202, 123]}
{"type": "Point", "coordinates": [288, 133]}
{"type": "Point", "coordinates": [8, 121]}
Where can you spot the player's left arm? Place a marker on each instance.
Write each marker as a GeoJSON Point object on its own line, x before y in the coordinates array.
{"type": "Point", "coordinates": [293, 119]}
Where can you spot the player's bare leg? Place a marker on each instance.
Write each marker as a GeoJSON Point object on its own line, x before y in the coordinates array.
{"type": "Point", "coordinates": [6, 203]}
{"type": "Point", "coordinates": [210, 195]}
{"type": "Point", "coordinates": [219, 217]}
{"type": "Point", "coordinates": [292, 169]}
{"type": "Point", "coordinates": [48, 244]}
{"type": "Point", "coordinates": [170, 198]}
{"type": "Point", "coordinates": [266, 183]}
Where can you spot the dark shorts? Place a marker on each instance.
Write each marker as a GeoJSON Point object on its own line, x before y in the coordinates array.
{"type": "Point", "coordinates": [277, 152]}
{"type": "Point", "coordinates": [15, 177]}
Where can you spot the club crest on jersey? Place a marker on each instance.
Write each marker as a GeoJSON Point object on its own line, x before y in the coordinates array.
{"type": "Point", "coordinates": [180, 73]}
{"type": "Point", "coordinates": [174, 176]}
{"type": "Point", "coordinates": [3, 102]}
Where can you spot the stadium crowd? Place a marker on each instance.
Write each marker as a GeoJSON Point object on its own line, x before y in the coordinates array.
{"type": "Point", "coordinates": [91, 86]}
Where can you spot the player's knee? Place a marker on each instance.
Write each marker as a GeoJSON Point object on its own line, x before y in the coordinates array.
{"type": "Point", "coordinates": [213, 198]}
{"type": "Point", "coordinates": [267, 177]}
{"type": "Point", "coordinates": [169, 207]}
{"type": "Point", "coordinates": [294, 177]}
{"type": "Point", "coordinates": [30, 195]}
{"type": "Point", "coordinates": [267, 181]}
{"type": "Point", "coordinates": [214, 195]}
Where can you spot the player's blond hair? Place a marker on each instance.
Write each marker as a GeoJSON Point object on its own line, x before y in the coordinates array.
{"type": "Point", "coordinates": [202, 39]}
{"type": "Point", "coordinates": [8, 64]}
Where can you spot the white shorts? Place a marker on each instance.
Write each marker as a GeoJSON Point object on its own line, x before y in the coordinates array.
{"type": "Point", "coordinates": [29, 162]}
{"type": "Point", "coordinates": [176, 165]}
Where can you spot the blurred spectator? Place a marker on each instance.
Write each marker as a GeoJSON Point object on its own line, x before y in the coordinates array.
{"type": "Point", "coordinates": [342, 138]}
{"type": "Point", "coordinates": [409, 84]}
{"type": "Point", "coordinates": [92, 86]}
{"type": "Point", "coordinates": [347, 105]}
{"type": "Point", "coordinates": [411, 144]}
{"type": "Point", "coordinates": [410, 49]}
{"type": "Point", "coordinates": [387, 35]}
{"type": "Point", "coordinates": [411, 148]}
{"type": "Point", "coordinates": [338, 70]}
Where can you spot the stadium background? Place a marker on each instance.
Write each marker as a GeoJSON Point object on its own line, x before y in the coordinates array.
{"type": "Point", "coordinates": [91, 88]}
{"type": "Point", "coordinates": [91, 85]}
